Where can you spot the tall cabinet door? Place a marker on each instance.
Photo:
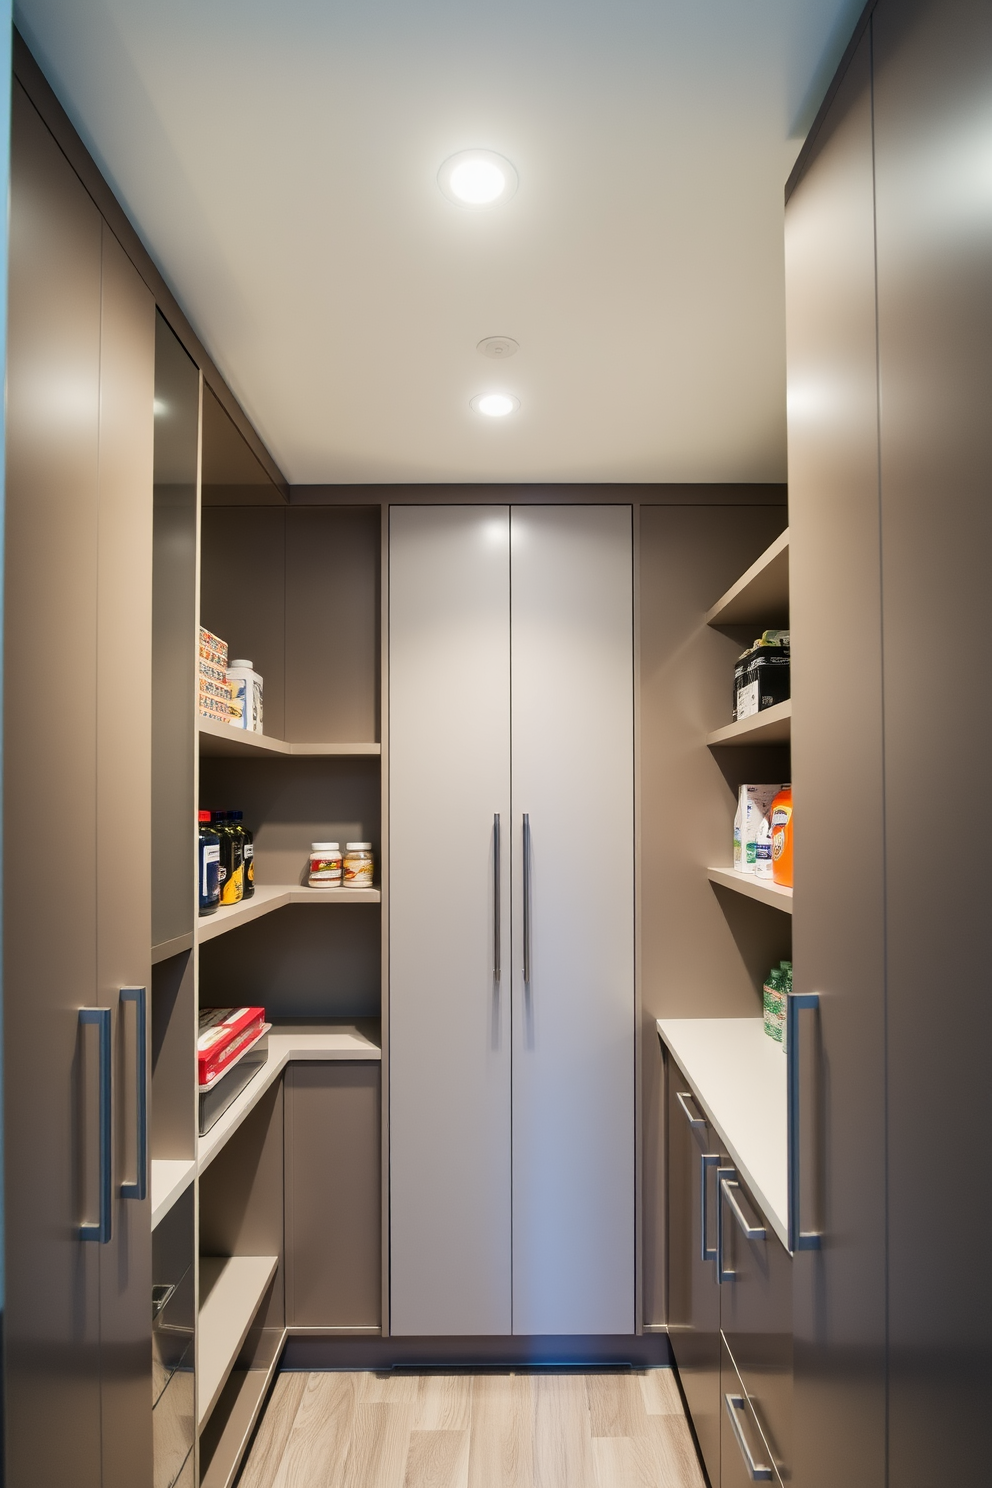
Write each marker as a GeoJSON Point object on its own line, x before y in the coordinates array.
{"type": "Point", "coordinates": [449, 1010]}
{"type": "Point", "coordinates": [573, 933]}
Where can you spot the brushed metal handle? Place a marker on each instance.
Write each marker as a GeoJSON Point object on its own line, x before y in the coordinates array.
{"type": "Point", "coordinates": [722, 1175]}
{"type": "Point", "coordinates": [139, 996]}
{"type": "Point", "coordinates": [682, 1096]}
{"type": "Point", "coordinates": [729, 1189]}
{"type": "Point", "coordinates": [758, 1472]}
{"type": "Point", "coordinates": [100, 1017]}
{"type": "Point", "coordinates": [497, 931]}
{"type": "Point", "coordinates": [796, 1003]}
{"type": "Point", "coordinates": [526, 886]}
{"type": "Point", "coordinates": [707, 1160]}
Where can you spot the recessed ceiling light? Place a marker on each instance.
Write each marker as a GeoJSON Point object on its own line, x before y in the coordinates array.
{"type": "Point", "coordinates": [498, 347]}
{"type": "Point", "coordinates": [495, 405]}
{"type": "Point", "coordinates": [477, 178]}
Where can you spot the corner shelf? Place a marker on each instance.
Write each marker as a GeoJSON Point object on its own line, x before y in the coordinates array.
{"type": "Point", "coordinates": [771, 726]}
{"type": "Point", "coordinates": [761, 595]}
{"type": "Point", "coordinates": [751, 887]}
{"type": "Point", "coordinates": [221, 739]}
{"type": "Point", "coordinates": [269, 897]}
{"type": "Point", "coordinates": [231, 1292]}
{"type": "Point", "coordinates": [240, 1403]}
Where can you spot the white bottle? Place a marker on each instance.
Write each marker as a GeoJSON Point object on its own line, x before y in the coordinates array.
{"type": "Point", "coordinates": [246, 696]}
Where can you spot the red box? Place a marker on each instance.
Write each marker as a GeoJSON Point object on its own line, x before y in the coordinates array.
{"type": "Point", "coordinates": [224, 1034]}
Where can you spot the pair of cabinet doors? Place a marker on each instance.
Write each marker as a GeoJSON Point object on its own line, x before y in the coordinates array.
{"type": "Point", "coordinates": [511, 920]}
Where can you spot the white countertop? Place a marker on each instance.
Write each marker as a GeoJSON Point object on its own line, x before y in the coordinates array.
{"type": "Point", "coordinates": [737, 1074]}
{"type": "Point", "coordinates": [310, 1041]}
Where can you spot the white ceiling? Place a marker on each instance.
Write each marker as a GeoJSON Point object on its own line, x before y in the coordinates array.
{"type": "Point", "coordinates": [279, 159]}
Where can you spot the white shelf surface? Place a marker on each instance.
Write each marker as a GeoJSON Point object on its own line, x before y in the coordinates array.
{"type": "Point", "coordinates": [269, 897]}
{"type": "Point", "coordinates": [343, 1042]}
{"type": "Point", "coordinates": [170, 1178]}
{"type": "Point", "coordinates": [231, 1289]}
{"type": "Point", "coordinates": [761, 595]}
{"type": "Point", "coordinates": [762, 889]}
{"type": "Point", "coordinates": [222, 739]}
{"type": "Point", "coordinates": [737, 1074]}
{"type": "Point", "coordinates": [771, 726]}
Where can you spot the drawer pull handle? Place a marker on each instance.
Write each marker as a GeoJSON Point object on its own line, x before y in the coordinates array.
{"type": "Point", "coordinates": [707, 1160]}
{"type": "Point", "coordinates": [752, 1232]}
{"type": "Point", "coordinates": [682, 1096]}
{"type": "Point", "coordinates": [722, 1177]}
{"type": "Point", "coordinates": [758, 1472]}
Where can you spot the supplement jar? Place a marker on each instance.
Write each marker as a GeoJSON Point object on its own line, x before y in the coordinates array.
{"type": "Point", "coordinates": [325, 865]}
{"type": "Point", "coordinates": [358, 865]}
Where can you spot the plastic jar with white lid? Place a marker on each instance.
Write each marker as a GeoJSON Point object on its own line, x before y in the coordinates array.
{"type": "Point", "coordinates": [358, 865]}
{"type": "Point", "coordinates": [325, 865]}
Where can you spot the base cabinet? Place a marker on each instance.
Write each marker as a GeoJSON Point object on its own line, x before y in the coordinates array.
{"type": "Point", "coordinates": [729, 1304]}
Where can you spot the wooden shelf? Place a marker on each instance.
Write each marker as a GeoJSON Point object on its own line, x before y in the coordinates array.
{"type": "Point", "coordinates": [170, 1179]}
{"type": "Point", "coordinates": [231, 1292]}
{"type": "Point", "coordinates": [241, 1403]}
{"type": "Point", "coordinates": [222, 739]}
{"type": "Point", "coordinates": [310, 1041]}
{"type": "Point", "coordinates": [761, 596]}
{"type": "Point", "coordinates": [738, 1076]}
{"type": "Point", "coordinates": [772, 726]}
{"type": "Point", "coordinates": [270, 897]}
{"type": "Point", "coordinates": [751, 887]}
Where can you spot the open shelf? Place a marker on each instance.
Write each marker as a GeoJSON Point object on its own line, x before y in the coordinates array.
{"type": "Point", "coordinates": [738, 1076]}
{"type": "Point", "coordinates": [240, 1404]}
{"type": "Point", "coordinates": [761, 596]}
{"type": "Point", "coordinates": [751, 887]}
{"type": "Point", "coordinates": [221, 739]}
{"type": "Point", "coordinates": [231, 1292]}
{"type": "Point", "coordinates": [771, 726]}
{"type": "Point", "coordinates": [269, 897]}
{"type": "Point", "coordinates": [170, 1179]}
{"type": "Point", "coordinates": [167, 948]}
{"type": "Point", "coordinates": [311, 1041]}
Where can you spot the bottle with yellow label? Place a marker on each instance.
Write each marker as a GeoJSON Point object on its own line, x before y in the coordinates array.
{"type": "Point", "coordinates": [231, 858]}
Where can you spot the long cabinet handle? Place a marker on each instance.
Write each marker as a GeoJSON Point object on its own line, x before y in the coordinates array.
{"type": "Point", "coordinates": [723, 1175]}
{"type": "Point", "coordinates": [100, 1017]}
{"type": "Point", "coordinates": [497, 932]}
{"type": "Point", "coordinates": [729, 1189]}
{"type": "Point", "coordinates": [758, 1472]}
{"type": "Point", "coordinates": [526, 887]}
{"type": "Point", "coordinates": [682, 1096]}
{"type": "Point", "coordinates": [797, 1002]}
{"type": "Point", "coordinates": [139, 996]}
{"type": "Point", "coordinates": [707, 1160]}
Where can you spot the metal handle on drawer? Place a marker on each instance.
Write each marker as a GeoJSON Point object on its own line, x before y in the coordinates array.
{"type": "Point", "coordinates": [722, 1175]}
{"type": "Point", "coordinates": [139, 996]}
{"type": "Point", "coordinates": [682, 1096]}
{"type": "Point", "coordinates": [101, 1230]}
{"type": "Point", "coordinates": [799, 1239]}
{"type": "Point", "coordinates": [497, 932]}
{"type": "Point", "coordinates": [729, 1188]}
{"type": "Point", "coordinates": [758, 1472]}
{"type": "Point", "coordinates": [526, 887]}
{"type": "Point", "coordinates": [707, 1160]}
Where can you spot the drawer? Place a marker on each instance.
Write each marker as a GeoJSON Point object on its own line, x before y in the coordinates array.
{"type": "Point", "coordinates": [756, 1315]}
{"type": "Point", "coordinates": [744, 1454]}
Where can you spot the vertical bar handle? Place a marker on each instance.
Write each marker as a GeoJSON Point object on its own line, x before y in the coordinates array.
{"type": "Point", "coordinates": [497, 931]}
{"type": "Point", "coordinates": [758, 1472]}
{"type": "Point", "coordinates": [723, 1175]}
{"type": "Point", "coordinates": [798, 1002]}
{"type": "Point", "coordinates": [526, 886]}
{"type": "Point", "coordinates": [139, 996]}
{"type": "Point", "coordinates": [100, 1231]}
{"type": "Point", "coordinates": [707, 1160]}
{"type": "Point", "coordinates": [682, 1096]}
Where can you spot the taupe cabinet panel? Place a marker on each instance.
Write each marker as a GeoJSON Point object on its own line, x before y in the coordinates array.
{"type": "Point", "coordinates": [838, 919]}
{"type": "Point", "coordinates": [77, 790]}
{"type": "Point", "coordinates": [932, 86]}
{"type": "Point", "coordinates": [333, 1196]}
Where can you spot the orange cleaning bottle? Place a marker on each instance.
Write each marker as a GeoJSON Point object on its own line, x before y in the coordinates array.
{"type": "Point", "coordinates": [781, 818]}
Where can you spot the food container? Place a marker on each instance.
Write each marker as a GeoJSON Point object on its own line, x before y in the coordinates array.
{"type": "Point", "coordinates": [325, 865]}
{"type": "Point", "coordinates": [358, 865]}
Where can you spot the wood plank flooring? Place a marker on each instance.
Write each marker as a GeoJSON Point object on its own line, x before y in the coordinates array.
{"type": "Point", "coordinates": [539, 1430]}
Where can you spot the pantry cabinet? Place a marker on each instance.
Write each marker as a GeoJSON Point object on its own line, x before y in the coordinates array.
{"type": "Point", "coordinates": [511, 954]}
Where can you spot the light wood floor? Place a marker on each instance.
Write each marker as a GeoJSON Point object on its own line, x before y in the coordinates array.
{"type": "Point", "coordinates": [474, 1431]}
